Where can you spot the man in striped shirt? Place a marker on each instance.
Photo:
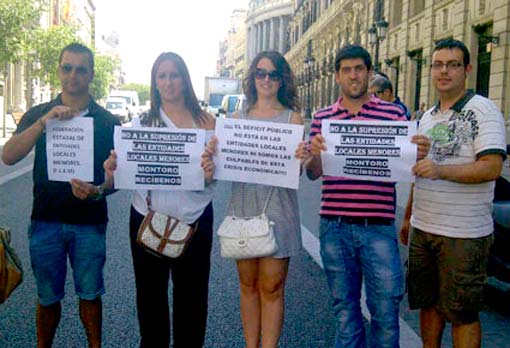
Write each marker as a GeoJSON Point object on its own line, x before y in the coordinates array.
{"type": "Point", "coordinates": [452, 205]}
{"type": "Point", "coordinates": [357, 233]}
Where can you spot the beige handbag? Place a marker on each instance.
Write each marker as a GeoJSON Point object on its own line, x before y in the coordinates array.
{"type": "Point", "coordinates": [11, 271]}
{"type": "Point", "coordinates": [164, 235]}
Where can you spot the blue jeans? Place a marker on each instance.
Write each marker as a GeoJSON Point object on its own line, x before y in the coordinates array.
{"type": "Point", "coordinates": [350, 252]}
{"type": "Point", "coordinates": [51, 243]}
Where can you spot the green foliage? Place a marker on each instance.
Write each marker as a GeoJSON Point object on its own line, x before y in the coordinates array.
{"type": "Point", "coordinates": [104, 77]}
{"type": "Point", "coordinates": [46, 46]}
{"type": "Point", "coordinates": [143, 90]}
{"type": "Point", "coordinates": [18, 19]}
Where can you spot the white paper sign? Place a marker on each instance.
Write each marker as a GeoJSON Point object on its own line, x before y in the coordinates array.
{"type": "Point", "coordinates": [369, 150]}
{"type": "Point", "coordinates": [258, 152]}
{"type": "Point", "coordinates": [70, 149]}
{"type": "Point", "coordinates": [159, 158]}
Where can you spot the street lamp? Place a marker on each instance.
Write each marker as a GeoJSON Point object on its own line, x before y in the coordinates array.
{"type": "Point", "coordinates": [376, 34]}
{"type": "Point", "coordinates": [308, 65]}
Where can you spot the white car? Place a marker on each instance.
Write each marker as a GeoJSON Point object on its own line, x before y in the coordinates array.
{"type": "Point", "coordinates": [118, 107]}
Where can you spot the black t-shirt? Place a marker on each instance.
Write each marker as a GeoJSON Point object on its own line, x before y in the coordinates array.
{"type": "Point", "coordinates": [53, 200]}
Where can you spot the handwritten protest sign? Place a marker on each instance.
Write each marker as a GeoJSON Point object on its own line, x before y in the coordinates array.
{"type": "Point", "coordinates": [369, 150]}
{"type": "Point", "coordinates": [258, 152]}
{"type": "Point", "coordinates": [159, 158]}
{"type": "Point", "coordinates": [70, 149]}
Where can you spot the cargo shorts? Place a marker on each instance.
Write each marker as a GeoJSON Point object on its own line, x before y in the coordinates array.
{"type": "Point", "coordinates": [449, 274]}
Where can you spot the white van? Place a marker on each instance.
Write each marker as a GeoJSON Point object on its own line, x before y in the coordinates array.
{"type": "Point", "coordinates": [131, 98]}
{"type": "Point", "coordinates": [228, 105]}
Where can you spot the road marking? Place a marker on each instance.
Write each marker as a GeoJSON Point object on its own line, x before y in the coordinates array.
{"type": "Point", "coordinates": [15, 174]}
{"type": "Point", "coordinates": [408, 338]}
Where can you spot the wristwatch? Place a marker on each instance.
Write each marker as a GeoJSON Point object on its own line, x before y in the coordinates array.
{"type": "Point", "coordinates": [99, 194]}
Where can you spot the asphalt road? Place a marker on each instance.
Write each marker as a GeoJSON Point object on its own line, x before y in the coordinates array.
{"type": "Point", "coordinates": [309, 320]}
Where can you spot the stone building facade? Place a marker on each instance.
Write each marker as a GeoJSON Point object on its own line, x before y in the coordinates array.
{"type": "Point", "coordinates": [266, 26]}
{"type": "Point", "coordinates": [231, 62]}
{"type": "Point", "coordinates": [20, 90]}
{"type": "Point", "coordinates": [319, 27]}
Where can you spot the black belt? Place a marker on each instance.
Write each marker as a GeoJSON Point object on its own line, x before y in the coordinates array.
{"type": "Point", "coordinates": [357, 220]}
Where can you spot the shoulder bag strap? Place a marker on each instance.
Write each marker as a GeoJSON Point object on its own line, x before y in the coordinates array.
{"type": "Point", "coordinates": [148, 200]}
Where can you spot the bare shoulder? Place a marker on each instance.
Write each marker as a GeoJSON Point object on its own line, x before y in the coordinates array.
{"type": "Point", "coordinates": [296, 118]}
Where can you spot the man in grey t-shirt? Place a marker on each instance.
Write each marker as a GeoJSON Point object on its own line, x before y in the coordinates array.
{"type": "Point", "coordinates": [451, 204]}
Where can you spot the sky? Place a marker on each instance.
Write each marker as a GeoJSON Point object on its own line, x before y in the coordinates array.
{"type": "Point", "coordinates": [146, 28]}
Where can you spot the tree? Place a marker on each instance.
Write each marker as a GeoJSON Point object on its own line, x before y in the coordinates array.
{"type": "Point", "coordinates": [143, 90]}
{"type": "Point", "coordinates": [46, 46]}
{"type": "Point", "coordinates": [104, 76]}
{"type": "Point", "coordinates": [18, 19]}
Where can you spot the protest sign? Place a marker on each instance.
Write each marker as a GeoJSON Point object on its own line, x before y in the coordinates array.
{"type": "Point", "coordinates": [70, 149]}
{"type": "Point", "coordinates": [159, 158]}
{"type": "Point", "coordinates": [258, 152]}
{"type": "Point", "coordinates": [369, 150]}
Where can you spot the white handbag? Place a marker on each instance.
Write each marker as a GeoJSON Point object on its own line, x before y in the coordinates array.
{"type": "Point", "coordinates": [249, 237]}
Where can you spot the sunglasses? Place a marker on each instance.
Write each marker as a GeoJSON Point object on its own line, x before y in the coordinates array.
{"type": "Point", "coordinates": [261, 74]}
{"type": "Point", "coordinates": [68, 68]}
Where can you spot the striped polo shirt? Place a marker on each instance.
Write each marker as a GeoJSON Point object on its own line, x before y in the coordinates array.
{"type": "Point", "coordinates": [352, 197]}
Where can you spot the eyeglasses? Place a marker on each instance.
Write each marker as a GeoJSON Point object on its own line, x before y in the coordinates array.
{"type": "Point", "coordinates": [68, 68]}
{"type": "Point", "coordinates": [260, 74]}
{"type": "Point", "coordinates": [451, 65]}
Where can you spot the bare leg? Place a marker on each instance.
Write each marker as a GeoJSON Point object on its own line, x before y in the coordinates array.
{"type": "Point", "coordinates": [250, 301]}
{"type": "Point", "coordinates": [47, 319]}
{"type": "Point", "coordinates": [272, 275]}
{"type": "Point", "coordinates": [91, 318]}
{"type": "Point", "coordinates": [467, 335]}
{"type": "Point", "coordinates": [431, 327]}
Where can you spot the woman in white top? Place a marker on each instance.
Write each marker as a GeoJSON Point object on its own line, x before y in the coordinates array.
{"type": "Point", "coordinates": [173, 105]}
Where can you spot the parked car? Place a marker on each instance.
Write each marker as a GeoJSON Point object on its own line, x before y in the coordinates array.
{"type": "Point", "coordinates": [118, 107]}
{"type": "Point", "coordinates": [499, 257]}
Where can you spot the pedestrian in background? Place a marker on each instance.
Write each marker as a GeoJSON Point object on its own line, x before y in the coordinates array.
{"type": "Point", "coordinates": [173, 105]}
{"type": "Point", "coordinates": [68, 219]}
{"type": "Point", "coordinates": [450, 209]}
{"type": "Point", "coordinates": [418, 114]}
{"type": "Point", "coordinates": [357, 233]}
{"type": "Point", "coordinates": [383, 89]}
{"type": "Point", "coordinates": [271, 97]}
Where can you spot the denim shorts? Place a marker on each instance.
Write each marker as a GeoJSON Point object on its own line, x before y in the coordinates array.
{"type": "Point", "coordinates": [50, 245]}
{"type": "Point", "coordinates": [448, 273]}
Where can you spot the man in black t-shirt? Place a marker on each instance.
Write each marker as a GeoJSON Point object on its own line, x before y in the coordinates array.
{"type": "Point", "coordinates": [68, 218]}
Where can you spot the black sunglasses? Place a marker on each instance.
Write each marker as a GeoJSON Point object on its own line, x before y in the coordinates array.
{"type": "Point", "coordinates": [68, 68]}
{"type": "Point", "coordinates": [260, 74]}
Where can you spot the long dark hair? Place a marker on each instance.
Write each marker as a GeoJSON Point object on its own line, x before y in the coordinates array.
{"type": "Point", "coordinates": [190, 99]}
{"type": "Point", "coordinates": [287, 95]}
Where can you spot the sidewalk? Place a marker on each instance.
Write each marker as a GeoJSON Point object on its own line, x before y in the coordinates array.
{"type": "Point", "coordinates": [10, 127]}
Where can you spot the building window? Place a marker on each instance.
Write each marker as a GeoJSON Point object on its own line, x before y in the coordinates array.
{"type": "Point", "coordinates": [396, 17]}
{"type": "Point", "coordinates": [481, 7]}
{"type": "Point", "coordinates": [445, 19]}
{"type": "Point", "coordinates": [416, 6]}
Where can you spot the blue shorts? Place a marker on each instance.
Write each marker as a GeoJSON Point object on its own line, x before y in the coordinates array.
{"type": "Point", "coordinates": [51, 242]}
